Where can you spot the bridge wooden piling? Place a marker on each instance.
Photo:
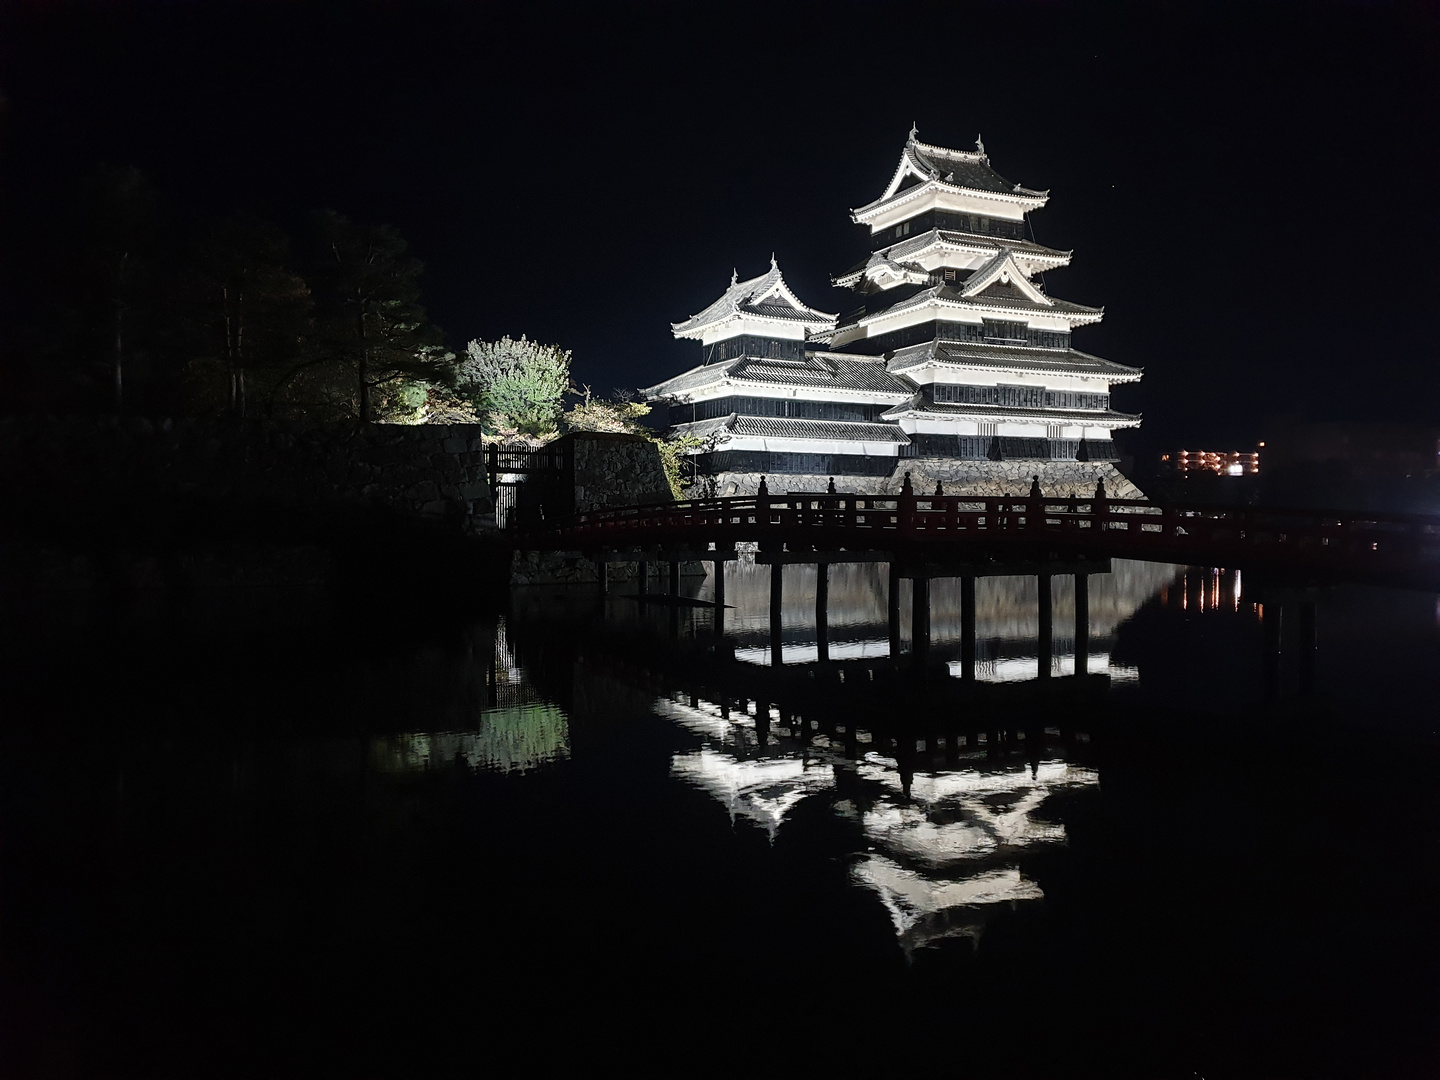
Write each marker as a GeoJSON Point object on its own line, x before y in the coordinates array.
{"type": "Point", "coordinates": [920, 619]}
{"type": "Point", "coordinates": [1047, 630]}
{"type": "Point", "coordinates": [967, 627]}
{"type": "Point", "coordinates": [777, 607]}
{"type": "Point", "coordinates": [822, 614]}
{"type": "Point", "coordinates": [893, 609]}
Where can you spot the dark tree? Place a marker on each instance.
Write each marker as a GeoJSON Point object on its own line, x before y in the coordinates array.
{"type": "Point", "coordinates": [369, 320]}
{"type": "Point", "coordinates": [111, 281]}
{"type": "Point", "coordinates": [249, 310]}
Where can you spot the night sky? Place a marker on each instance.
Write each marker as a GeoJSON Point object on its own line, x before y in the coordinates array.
{"type": "Point", "coordinates": [1249, 190]}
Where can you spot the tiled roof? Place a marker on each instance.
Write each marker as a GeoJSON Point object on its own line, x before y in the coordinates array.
{"type": "Point", "coordinates": [1000, 277]}
{"type": "Point", "coordinates": [694, 379]}
{"type": "Point", "coordinates": [824, 337]}
{"type": "Point", "coordinates": [914, 244]}
{"type": "Point", "coordinates": [829, 371]}
{"type": "Point", "coordinates": [912, 247]}
{"type": "Point", "coordinates": [952, 294]}
{"type": "Point", "coordinates": [924, 406]}
{"type": "Point", "coordinates": [770, 427]}
{"type": "Point", "coordinates": [766, 296]}
{"type": "Point", "coordinates": [965, 169]}
{"type": "Point", "coordinates": [778, 310]}
{"type": "Point", "coordinates": [1010, 358]}
{"type": "Point", "coordinates": [704, 428]}
{"type": "Point", "coordinates": [960, 168]}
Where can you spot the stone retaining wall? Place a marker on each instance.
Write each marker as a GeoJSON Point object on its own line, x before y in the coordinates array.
{"type": "Point", "coordinates": [609, 470]}
{"type": "Point", "coordinates": [1057, 478]}
{"type": "Point", "coordinates": [427, 471]}
{"type": "Point", "coordinates": [615, 470]}
{"type": "Point", "coordinates": [130, 505]}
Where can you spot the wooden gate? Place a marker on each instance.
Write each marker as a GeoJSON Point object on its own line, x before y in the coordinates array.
{"type": "Point", "coordinates": [530, 486]}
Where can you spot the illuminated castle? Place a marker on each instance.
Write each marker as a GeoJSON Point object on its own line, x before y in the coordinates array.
{"type": "Point", "coordinates": [958, 367]}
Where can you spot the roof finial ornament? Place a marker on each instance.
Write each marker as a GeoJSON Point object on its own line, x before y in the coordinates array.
{"type": "Point", "coordinates": [773, 264]}
{"type": "Point", "coordinates": [734, 275]}
{"type": "Point", "coordinates": [914, 131]}
{"type": "Point", "coordinates": [979, 145]}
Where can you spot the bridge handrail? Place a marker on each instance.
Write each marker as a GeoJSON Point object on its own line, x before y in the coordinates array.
{"type": "Point", "coordinates": [1223, 534]}
{"type": "Point", "coordinates": [947, 504]}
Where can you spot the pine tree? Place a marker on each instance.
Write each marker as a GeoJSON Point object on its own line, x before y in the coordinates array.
{"type": "Point", "coordinates": [247, 307]}
{"type": "Point", "coordinates": [369, 319]}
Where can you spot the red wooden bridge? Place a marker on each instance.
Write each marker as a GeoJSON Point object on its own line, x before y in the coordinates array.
{"type": "Point", "coordinates": [1311, 545]}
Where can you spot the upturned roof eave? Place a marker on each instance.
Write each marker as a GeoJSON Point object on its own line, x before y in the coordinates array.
{"type": "Point", "coordinates": [692, 329]}
{"type": "Point", "coordinates": [659, 390]}
{"type": "Point", "coordinates": [988, 357]}
{"type": "Point", "coordinates": [862, 215]}
{"type": "Point", "coordinates": [1069, 310]}
{"type": "Point", "coordinates": [726, 375]}
{"type": "Point", "coordinates": [1026, 252]}
{"type": "Point", "coordinates": [813, 430]}
{"type": "Point", "coordinates": [736, 300]}
{"type": "Point", "coordinates": [1010, 413]}
{"type": "Point", "coordinates": [898, 394]}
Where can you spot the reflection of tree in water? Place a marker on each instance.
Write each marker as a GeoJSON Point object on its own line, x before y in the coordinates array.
{"type": "Point", "coordinates": [512, 739]}
{"type": "Point", "coordinates": [521, 731]}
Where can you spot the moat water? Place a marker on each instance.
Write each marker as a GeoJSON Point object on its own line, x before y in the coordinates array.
{"type": "Point", "coordinates": [573, 833]}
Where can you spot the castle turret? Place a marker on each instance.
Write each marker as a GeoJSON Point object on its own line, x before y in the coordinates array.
{"type": "Point", "coordinates": [765, 401]}
{"type": "Point", "coordinates": [951, 300]}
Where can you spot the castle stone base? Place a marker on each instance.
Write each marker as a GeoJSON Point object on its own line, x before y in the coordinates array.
{"type": "Point", "coordinates": [1058, 479]}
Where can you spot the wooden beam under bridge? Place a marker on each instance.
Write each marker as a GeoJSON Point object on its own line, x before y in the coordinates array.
{"type": "Point", "coordinates": [910, 567]}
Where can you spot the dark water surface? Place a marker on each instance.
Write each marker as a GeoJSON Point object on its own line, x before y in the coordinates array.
{"type": "Point", "coordinates": [585, 836]}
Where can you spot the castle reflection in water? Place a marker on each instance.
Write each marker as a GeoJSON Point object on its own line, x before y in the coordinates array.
{"type": "Point", "coordinates": [941, 786]}
{"type": "Point", "coordinates": [938, 815]}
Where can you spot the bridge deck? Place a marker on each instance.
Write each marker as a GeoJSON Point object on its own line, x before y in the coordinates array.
{"type": "Point", "coordinates": [1396, 549]}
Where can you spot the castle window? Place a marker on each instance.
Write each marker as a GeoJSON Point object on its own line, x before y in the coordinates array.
{"type": "Point", "coordinates": [1004, 330]}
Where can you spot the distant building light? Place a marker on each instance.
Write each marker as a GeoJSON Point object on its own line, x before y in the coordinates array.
{"type": "Point", "coordinates": [1221, 462]}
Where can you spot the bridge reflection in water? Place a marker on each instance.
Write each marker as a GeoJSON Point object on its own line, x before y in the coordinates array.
{"type": "Point", "coordinates": [855, 619]}
{"type": "Point", "coordinates": [937, 776]}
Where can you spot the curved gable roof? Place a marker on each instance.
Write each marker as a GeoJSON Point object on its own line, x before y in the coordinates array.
{"type": "Point", "coordinates": [766, 297]}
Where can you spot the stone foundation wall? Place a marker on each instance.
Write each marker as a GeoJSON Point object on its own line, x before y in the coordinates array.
{"type": "Point", "coordinates": [124, 508]}
{"type": "Point", "coordinates": [576, 568]}
{"type": "Point", "coordinates": [616, 470]}
{"type": "Point", "coordinates": [429, 471]}
{"type": "Point", "coordinates": [610, 470]}
{"type": "Point", "coordinates": [1057, 478]}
